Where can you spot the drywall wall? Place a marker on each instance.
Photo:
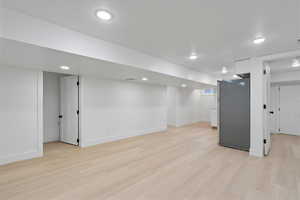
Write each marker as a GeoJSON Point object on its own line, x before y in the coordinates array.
{"type": "Point", "coordinates": [193, 107]}
{"type": "Point", "coordinates": [274, 107]}
{"type": "Point", "coordinates": [187, 106]}
{"type": "Point", "coordinates": [51, 106]}
{"type": "Point", "coordinates": [288, 99]}
{"type": "Point", "coordinates": [290, 76]}
{"type": "Point", "coordinates": [171, 104]}
{"type": "Point", "coordinates": [112, 110]}
{"type": "Point", "coordinates": [254, 66]}
{"type": "Point", "coordinates": [207, 103]}
{"type": "Point", "coordinates": [20, 114]}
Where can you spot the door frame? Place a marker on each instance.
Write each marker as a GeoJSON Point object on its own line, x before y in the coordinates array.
{"type": "Point", "coordinates": [266, 118]}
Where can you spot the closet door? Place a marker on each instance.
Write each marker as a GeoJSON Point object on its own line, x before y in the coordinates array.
{"type": "Point", "coordinates": [69, 110]}
{"type": "Point", "coordinates": [290, 109]}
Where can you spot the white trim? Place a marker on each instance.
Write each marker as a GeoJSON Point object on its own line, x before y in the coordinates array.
{"type": "Point", "coordinates": [40, 111]}
{"type": "Point", "coordinates": [254, 152]}
{"type": "Point", "coordinates": [120, 137]}
{"type": "Point", "coordinates": [20, 157]}
{"type": "Point", "coordinates": [81, 80]}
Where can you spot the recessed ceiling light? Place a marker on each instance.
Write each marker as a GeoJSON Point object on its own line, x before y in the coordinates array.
{"type": "Point", "coordinates": [64, 67]}
{"type": "Point", "coordinates": [296, 63]}
{"type": "Point", "coordinates": [145, 79]}
{"type": "Point", "coordinates": [224, 70]}
{"type": "Point", "coordinates": [183, 85]}
{"type": "Point", "coordinates": [104, 15]}
{"type": "Point", "coordinates": [193, 57]}
{"type": "Point", "coordinates": [259, 40]}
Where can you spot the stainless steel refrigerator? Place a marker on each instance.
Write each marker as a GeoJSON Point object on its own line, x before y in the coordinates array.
{"type": "Point", "coordinates": [234, 113]}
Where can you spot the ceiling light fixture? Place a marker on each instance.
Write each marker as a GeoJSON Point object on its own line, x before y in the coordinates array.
{"type": "Point", "coordinates": [193, 57]}
{"type": "Point", "coordinates": [144, 79]}
{"type": "Point", "coordinates": [259, 40]}
{"type": "Point", "coordinates": [183, 85]}
{"type": "Point", "coordinates": [64, 67]}
{"type": "Point", "coordinates": [104, 15]}
{"type": "Point", "coordinates": [296, 63]}
{"type": "Point", "coordinates": [224, 70]}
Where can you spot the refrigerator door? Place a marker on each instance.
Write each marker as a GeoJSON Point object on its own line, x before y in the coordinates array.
{"type": "Point", "coordinates": [234, 112]}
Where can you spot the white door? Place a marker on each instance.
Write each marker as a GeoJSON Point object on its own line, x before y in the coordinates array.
{"type": "Point", "coordinates": [267, 133]}
{"type": "Point", "coordinates": [69, 110]}
{"type": "Point", "coordinates": [274, 112]}
{"type": "Point", "coordinates": [290, 109]}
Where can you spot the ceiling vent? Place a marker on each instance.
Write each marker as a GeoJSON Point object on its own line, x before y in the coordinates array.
{"type": "Point", "coordinates": [130, 79]}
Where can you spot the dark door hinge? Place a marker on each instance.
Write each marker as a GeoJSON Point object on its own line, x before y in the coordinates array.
{"type": "Point", "coordinates": [77, 83]}
{"type": "Point", "coordinates": [265, 71]}
{"type": "Point", "coordinates": [77, 112]}
{"type": "Point", "coordinates": [265, 106]}
{"type": "Point", "coordinates": [265, 141]}
{"type": "Point", "coordinates": [78, 140]}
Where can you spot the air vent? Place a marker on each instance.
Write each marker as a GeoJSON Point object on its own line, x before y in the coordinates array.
{"type": "Point", "coordinates": [130, 79]}
{"type": "Point", "coordinates": [242, 59]}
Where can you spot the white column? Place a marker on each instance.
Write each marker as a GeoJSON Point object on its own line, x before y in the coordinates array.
{"type": "Point", "coordinates": [255, 68]}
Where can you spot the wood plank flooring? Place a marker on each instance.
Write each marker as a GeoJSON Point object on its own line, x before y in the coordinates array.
{"type": "Point", "coordinates": [181, 164]}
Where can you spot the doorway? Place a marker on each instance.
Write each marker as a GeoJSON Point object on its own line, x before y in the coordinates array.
{"type": "Point", "coordinates": [61, 108]}
{"type": "Point", "coordinates": [286, 101]}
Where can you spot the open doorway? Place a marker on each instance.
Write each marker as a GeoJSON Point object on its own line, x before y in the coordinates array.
{"type": "Point", "coordinates": [60, 109]}
{"type": "Point", "coordinates": [285, 108]}
{"type": "Point", "coordinates": [283, 97]}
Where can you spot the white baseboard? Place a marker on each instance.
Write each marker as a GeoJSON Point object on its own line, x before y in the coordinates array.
{"type": "Point", "coordinates": [253, 152]}
{"type": "Point", "coordinates": [120, 137]}
{"type": "Point", "coordinates": [192, 122]}
{"type": "Point", "coordinates": [19, 157]}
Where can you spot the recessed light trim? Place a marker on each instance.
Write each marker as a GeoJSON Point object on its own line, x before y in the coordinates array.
{"type": "Point", "coordinates": [296, 63]}
{"type": "Point", "coordinates": [64, 67]}
{"type": "Point", "coordinates": [224, 70]}
{"type": "Point", "coordinates": [183, 85]}
{"type": "Point", "coordinates": [144, 79]}
{"type": "Point", "coordinates": [104, 15]}
{"type": "Point", "coordinates": [259, 40]}
{"type": "Point", "coordinates": [193, 57]}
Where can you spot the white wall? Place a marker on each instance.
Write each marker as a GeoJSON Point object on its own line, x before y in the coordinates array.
{"type": "Point", "coordinates": [285, 76]}
{"type": "Point", "coordinates": [171, 104]}
{"type": "Point", "coordinates": [207, 103]}
{"type": "Point", "coordinates": [20, 114]}
{"type": "Point", "coordinates": [112, 110]}
{"type": "Point", "coordinates": [255, 66]}
{"type": "Point", "coordinates": [188, 106]}
{"type": "Point", "coordinates": [274, 106]}
{"type": "Point", "coordinates": [51, 106]}
{"type": "Point", "coordinates": [287, 98]}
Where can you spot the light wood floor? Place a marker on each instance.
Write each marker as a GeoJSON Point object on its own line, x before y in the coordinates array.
{"type": "Point", "coordinates": [181, 164]}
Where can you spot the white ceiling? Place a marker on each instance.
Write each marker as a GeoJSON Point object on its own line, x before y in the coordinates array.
{"type": "Point", "coordinates": [219, 31]}
{"type": "Point", "coordinates": [34, 57]}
